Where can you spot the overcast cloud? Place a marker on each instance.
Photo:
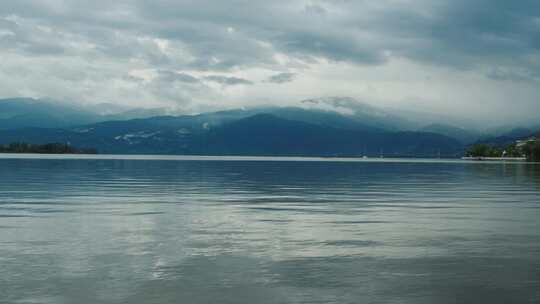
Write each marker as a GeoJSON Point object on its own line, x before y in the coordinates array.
{"type": "Point", "coordinates": [478, 58]}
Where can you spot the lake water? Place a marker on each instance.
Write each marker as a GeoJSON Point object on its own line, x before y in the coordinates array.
{"type": "Point", "coordinates": [250, 230]}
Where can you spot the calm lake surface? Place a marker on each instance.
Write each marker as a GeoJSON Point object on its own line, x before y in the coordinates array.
{"type": "Point", "coordinates": [246, 230]}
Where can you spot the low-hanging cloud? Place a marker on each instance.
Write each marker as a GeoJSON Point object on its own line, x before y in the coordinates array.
{"type": "Point", "coordinates": [174, 76]}
{"type": "Point", "coordinates": [281, 78]}
{"type": "Point", "coordinates": [230, 81]}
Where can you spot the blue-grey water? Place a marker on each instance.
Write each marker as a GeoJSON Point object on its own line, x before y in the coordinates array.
{"type": "Point", "coordinates": [199, 230]}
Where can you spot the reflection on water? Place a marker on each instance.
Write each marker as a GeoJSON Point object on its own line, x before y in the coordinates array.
{"type": "Point", "coordinates": [141, 231]}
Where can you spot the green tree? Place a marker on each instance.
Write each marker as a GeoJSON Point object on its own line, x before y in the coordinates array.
{"type": "Point", "coordinates": [50, 148]}
{"type": "Point", "coordinates": [483, 150]}
{"type": "Point", "coordinates": [512, 151]}
{"type": "Point", "coordinates": [532, 150]}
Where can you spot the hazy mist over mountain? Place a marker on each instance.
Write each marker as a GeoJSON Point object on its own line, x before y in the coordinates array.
{"type": "Point", "coordinates": [465, 63]}
{"type": "Point", "coordinates": [332, 126]}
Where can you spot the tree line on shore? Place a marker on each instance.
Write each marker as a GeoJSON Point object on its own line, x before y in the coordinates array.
{"type": "Point", "coordinates": [530, 149]}
{"type": "Point", "coordinates": [49, 148]}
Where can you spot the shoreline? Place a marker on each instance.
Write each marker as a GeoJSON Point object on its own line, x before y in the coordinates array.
{"type": "Point", "coordinates": [150, 157]}
{"type": "Point", "coordinates": [483, 158]}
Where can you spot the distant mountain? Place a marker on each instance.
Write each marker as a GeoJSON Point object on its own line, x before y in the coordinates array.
{"type": "Point", "coordinates": [111, 111]}
{"type": "Point", "coordinates": [359, 111]}
{"type": "Point", "coordinates": [135, 113]}
{"type": "Point", "coordinates": [508, 138]}
{"type": "Point", "coordinates": [267, 134]}
{"type": "Point", "coordinates": [325, 118]}
{"type": "Point", "coordinates": [357, 128]}
{"type": "Point", "coordinates": [43, 113]}
{"type": "Point", "coordinates": [514, 129]}
{"type": "Point", "coordinates": [461, 134]}
{"type": "Point", "coordinates": [334, 112]}
{"type": "Point", "coordinates": [242, 133]}
{"type": "Point", "coordinates": [27, 112]}
{"type": "Point", "coordinates": [519, 133]}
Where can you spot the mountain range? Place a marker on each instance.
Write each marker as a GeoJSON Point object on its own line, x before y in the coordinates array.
{"type": "Point", "coordinates": [300, 131]}
{"type": "Point", "coordinates": [44, 113]}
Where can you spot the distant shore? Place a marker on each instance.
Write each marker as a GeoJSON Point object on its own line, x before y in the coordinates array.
{"type": "Point", "coordinates": [48, 148]}
{"type": "Point", "coordinates": [145, 157]}
{"type": "Point", "coordinates": [494, 158]}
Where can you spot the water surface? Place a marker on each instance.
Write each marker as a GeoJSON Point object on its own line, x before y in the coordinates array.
{"type": "Point", "coordinates": [222, 230]}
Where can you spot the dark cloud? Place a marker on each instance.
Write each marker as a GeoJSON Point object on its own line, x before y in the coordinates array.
{"type": "Point", "coordinates": [514, 75]}
{"type": "Point", "coordinates": [225, 35]}
{"type": "Point", "coordinates": [281, 78]}
{"type": "Point", "coordinates": [229, 81]}
{"type": "Point", "coordinates": [29, 39]}
{"type": "Point", "coordinates": [174, 76]}
{"type": "Point", "coordinates": [332, 46]}
{"type": "Point", "coordinates": [466, 34]}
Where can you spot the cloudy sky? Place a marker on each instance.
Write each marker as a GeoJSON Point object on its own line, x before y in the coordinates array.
{"type": "Point", "coordinates": [467, 57]}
